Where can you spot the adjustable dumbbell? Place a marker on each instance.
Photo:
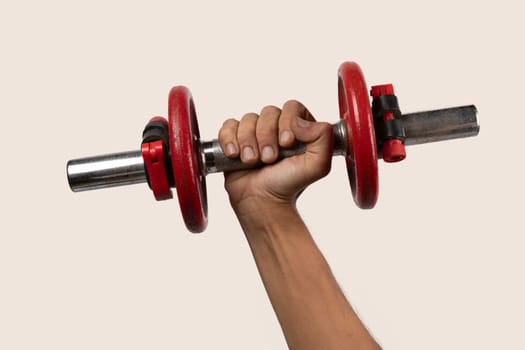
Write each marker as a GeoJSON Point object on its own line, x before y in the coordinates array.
{"type": "Point", "coordinates": [172, 154]}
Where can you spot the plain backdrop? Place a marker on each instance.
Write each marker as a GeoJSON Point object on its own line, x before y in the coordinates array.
{"type": "Point", "coordinates": [438, 264]}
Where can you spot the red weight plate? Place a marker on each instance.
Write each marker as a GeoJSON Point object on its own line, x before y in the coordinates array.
{"type": "Point", "coordinates": [185, 158]}
{"type": "Point", "coordinates": [361, 162]}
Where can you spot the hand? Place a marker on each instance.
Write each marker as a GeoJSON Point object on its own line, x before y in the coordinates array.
{"type": "Point", "coordinates": [257, 138]}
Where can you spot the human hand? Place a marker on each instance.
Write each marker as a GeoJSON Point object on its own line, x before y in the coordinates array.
{"type": "Point", "coordinates": [257, 138]}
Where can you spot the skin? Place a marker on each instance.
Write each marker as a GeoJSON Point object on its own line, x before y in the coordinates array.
{"type": "Point", "coordinates": [311, 309]}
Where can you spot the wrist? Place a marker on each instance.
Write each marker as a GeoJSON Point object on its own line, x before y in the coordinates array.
{"type": "Point", "coordinates": [263, 215]}
{"type": "Point", "coordinates": [255, 206]}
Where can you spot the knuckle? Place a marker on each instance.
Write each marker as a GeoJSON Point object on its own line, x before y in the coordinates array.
{"type": "Point", "coordinates": [231, 122]}
{"type": "Point", "coordinates": [246, 136]}
{"type": "Point", "coordinates": [270, 110]}
{"type": "Point", "coordinates": [228, 128]}
{"type": "Point", "coordinates": [293, 105]}
{"type": "Point", "coordinates": [247, 127]}
{"type": "Point", "coordinates": [266, 135]}
{"type": "Point", "coordinates": [249, 117]}
{"type": "Point", "coordinates": [266, 132]}
{"type": "Point", "coordinates": [245, 140]}
{"type": "Point", "coordinates": [224, 134]}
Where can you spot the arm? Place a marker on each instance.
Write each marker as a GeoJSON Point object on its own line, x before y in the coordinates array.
{"type": "Point", "coordinates": [308, 302]}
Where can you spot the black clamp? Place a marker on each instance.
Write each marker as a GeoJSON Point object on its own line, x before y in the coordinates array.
{"type": "Point", "coordinates": [156, 130]}
{"type": "Point", "coordinates": [391, 128]}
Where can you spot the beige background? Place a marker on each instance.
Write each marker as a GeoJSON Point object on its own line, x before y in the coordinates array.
{"type": "Point", "coordinates": [438, 264]}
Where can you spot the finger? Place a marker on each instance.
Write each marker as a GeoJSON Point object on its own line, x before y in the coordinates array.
{"type": "Point", "coordinates": [292, 110]}
{"type": "Point", "coordinates": [228, 138]}
{"type": "Point", "coordinates": [247, 139]}
{"type": "Point", "coordinates": [266, 133]}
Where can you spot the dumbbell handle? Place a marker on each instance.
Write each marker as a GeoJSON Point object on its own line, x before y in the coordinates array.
{"type": "Point", "coordinates": [127, 168]}
{"type": "Point", "coordinates": [215, 161]}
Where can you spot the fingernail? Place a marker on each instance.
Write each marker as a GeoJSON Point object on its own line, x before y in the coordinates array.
{"type": "Point", "coordinates": [303, 123]}
{"type": "Point", "coordinates": [230, 149]}
{"type": "Point", "coordinates": [286, 136]}
{"type": "Point", "coordinates": [267, 152]}
{"type": "Point", "coordinates": [247, 153]}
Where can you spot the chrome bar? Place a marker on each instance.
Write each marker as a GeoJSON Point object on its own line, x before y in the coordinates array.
{"type": "Point", "coordinates": [104, 171]}
{"type": "Point", "coordinates": [440, 124]}
{"type": "Point", "coordinates": [127, 168]}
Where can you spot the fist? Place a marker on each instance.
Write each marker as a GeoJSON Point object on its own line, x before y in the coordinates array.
{"type": "Point", "coordinates": [257, 138]}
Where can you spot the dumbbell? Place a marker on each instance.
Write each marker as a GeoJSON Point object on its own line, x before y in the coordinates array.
{"type": "Point", "coordinates": [172, 154]}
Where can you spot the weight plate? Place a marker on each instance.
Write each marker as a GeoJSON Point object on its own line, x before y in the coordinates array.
{"type": "Point", "coordinates": [185, 159]}
{"type": "Point", "coordinates": [361, 161]}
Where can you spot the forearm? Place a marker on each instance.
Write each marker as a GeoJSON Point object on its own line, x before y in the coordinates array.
{"type": "Point", "coordinates": [312, 310]}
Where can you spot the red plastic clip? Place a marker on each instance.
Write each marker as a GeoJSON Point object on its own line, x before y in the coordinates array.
{"type": "Point", "coordinates": [393, 149]}
{"type": "Point", "coordinates": [153, 155]}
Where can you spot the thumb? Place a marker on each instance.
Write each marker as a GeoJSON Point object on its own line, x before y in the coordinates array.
{"type": "Point", "coordinates": [318, 138]}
